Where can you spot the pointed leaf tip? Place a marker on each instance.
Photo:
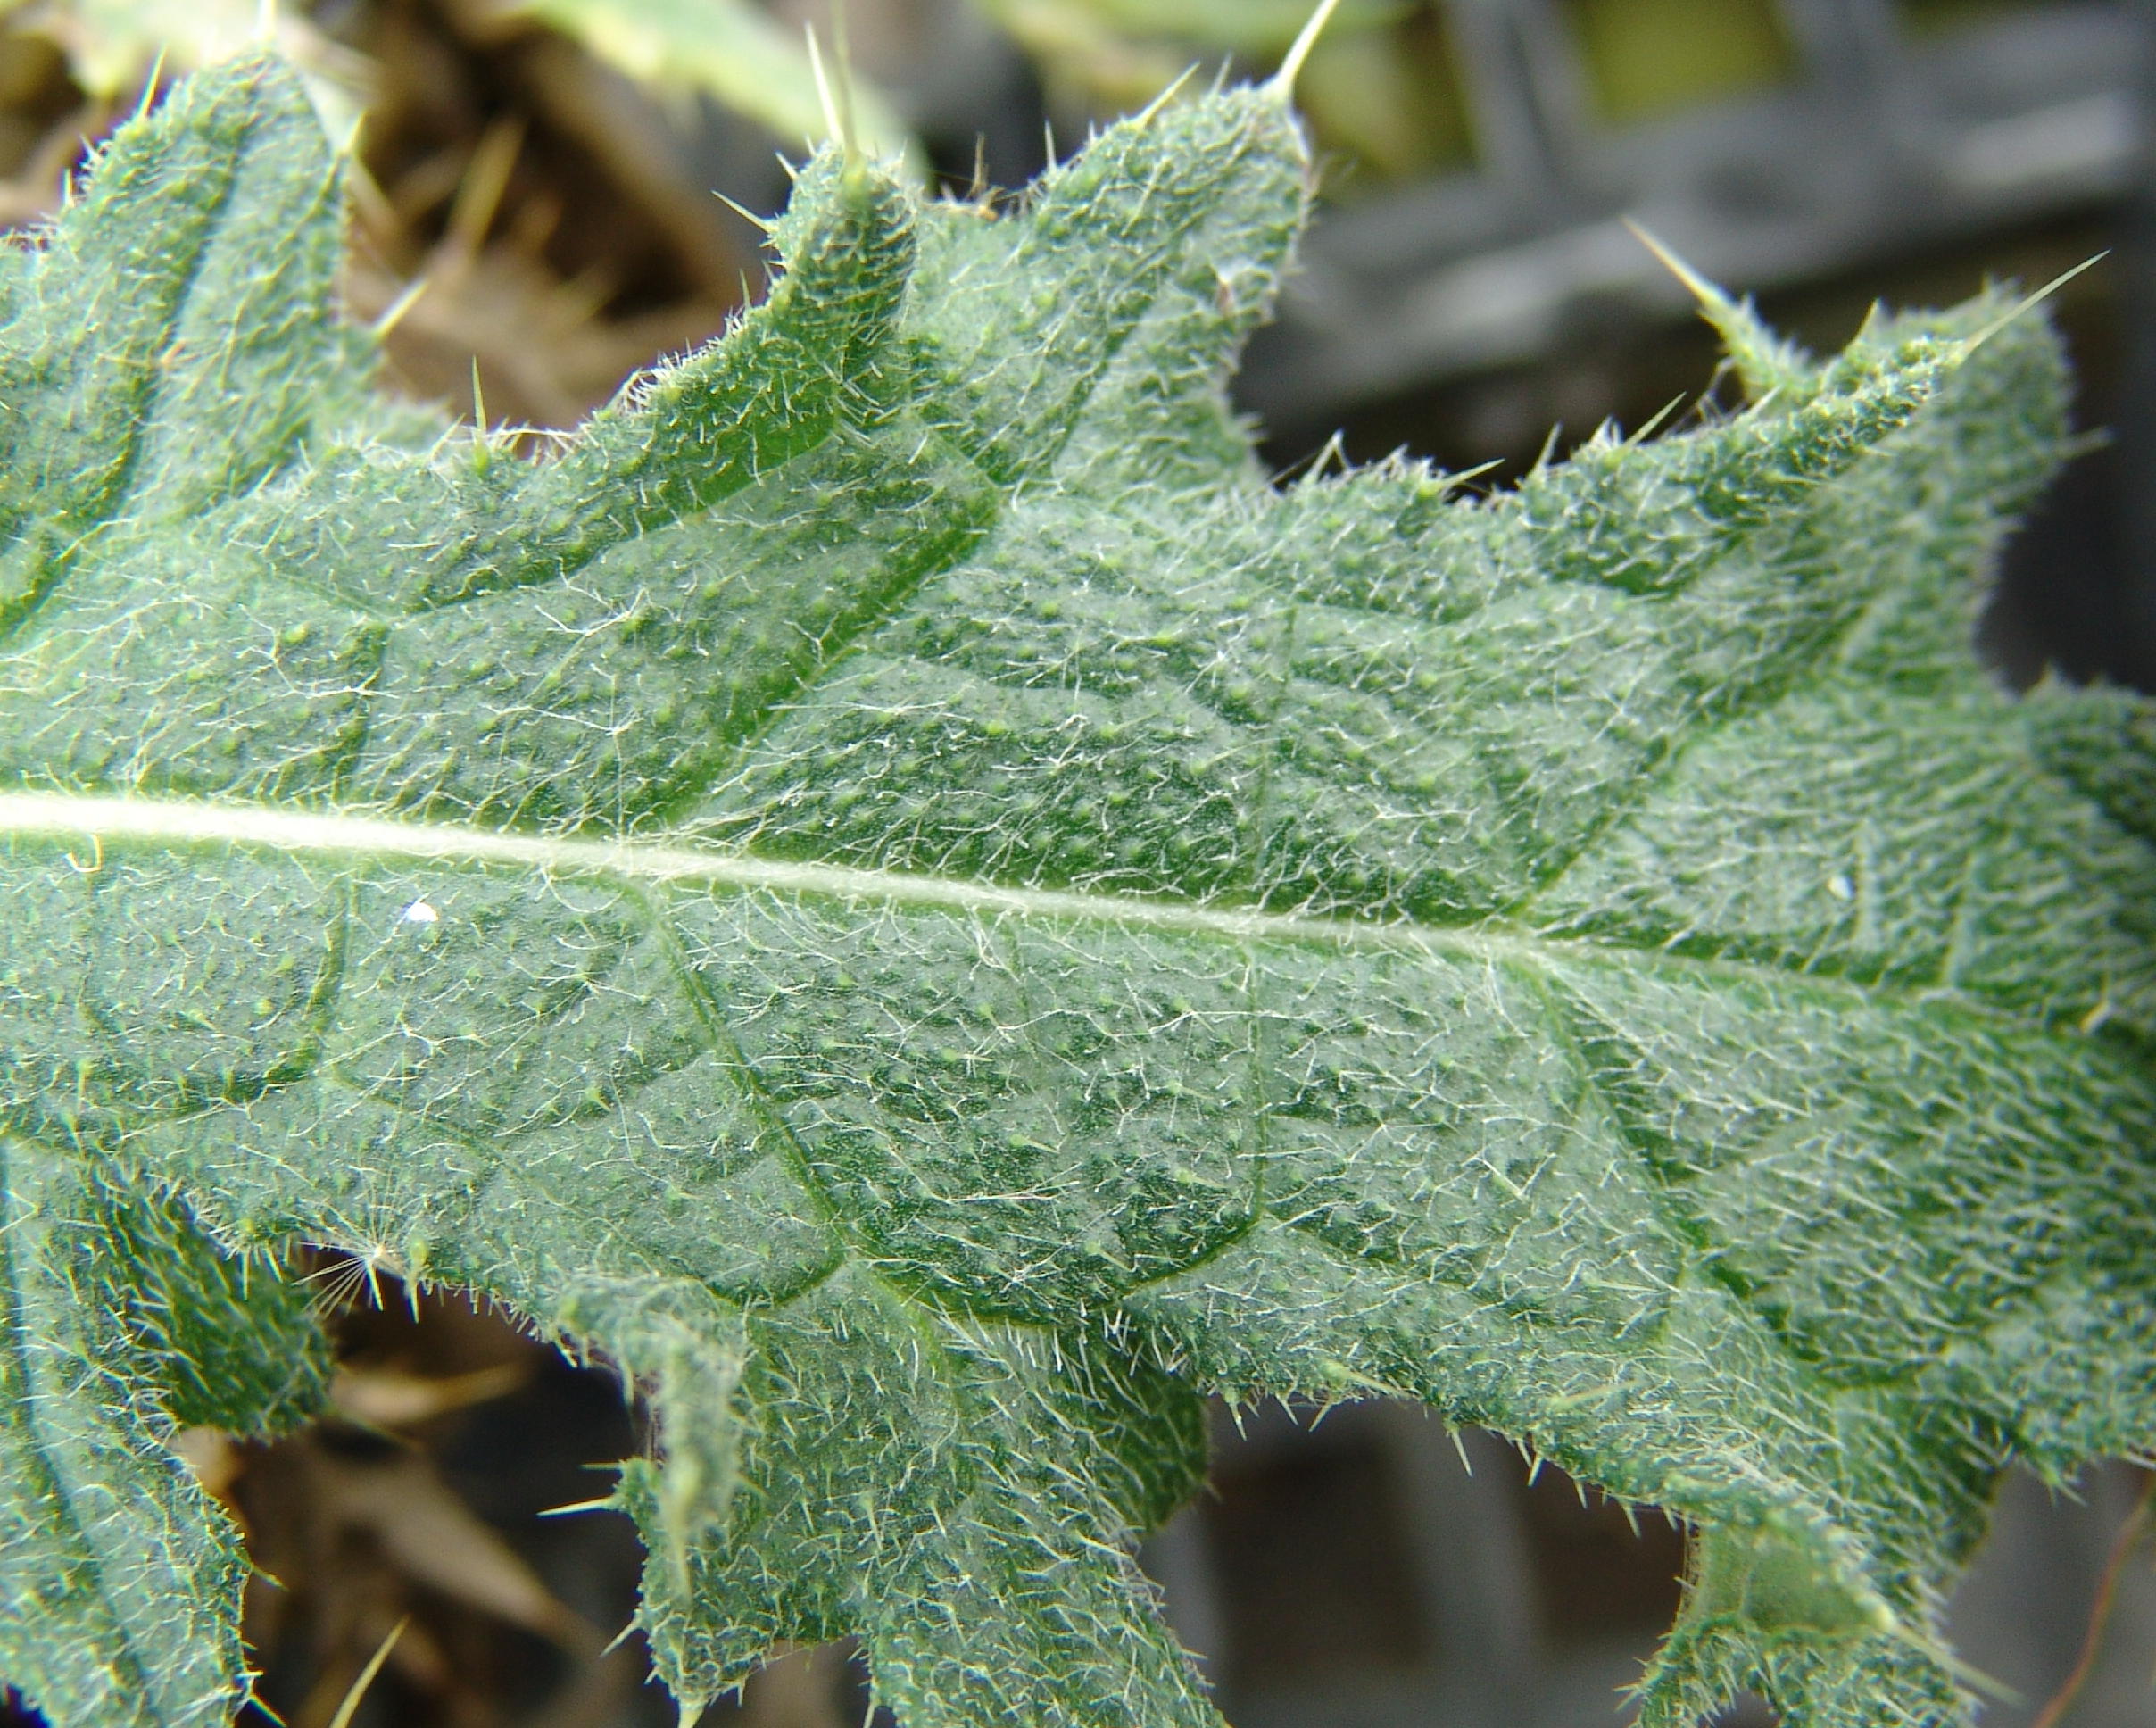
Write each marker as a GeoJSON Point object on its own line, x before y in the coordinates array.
{"type": "Point", "coordinates": [1766, 364]}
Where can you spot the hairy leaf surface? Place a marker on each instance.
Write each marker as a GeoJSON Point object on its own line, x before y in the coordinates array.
{"type": "Point", "coordinates": [120, 1578]}
{"type": "Point", "coordinates": [900, 892]}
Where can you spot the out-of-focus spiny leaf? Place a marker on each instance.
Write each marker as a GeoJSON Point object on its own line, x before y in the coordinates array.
{"type": "Point", "coordinates": [732, 51]}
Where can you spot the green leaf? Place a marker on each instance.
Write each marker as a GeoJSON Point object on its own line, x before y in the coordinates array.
{"type": "Point", "coordinates": [898, 892]}
{"type": "Point", "coordinates": [120, 1578]}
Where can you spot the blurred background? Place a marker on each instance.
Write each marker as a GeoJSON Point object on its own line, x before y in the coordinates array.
{"type": "Point", "coordinates": [534, 220]}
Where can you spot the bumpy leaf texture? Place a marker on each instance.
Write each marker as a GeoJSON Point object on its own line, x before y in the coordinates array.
{"type": "Point", "coordinates": [900, 893]}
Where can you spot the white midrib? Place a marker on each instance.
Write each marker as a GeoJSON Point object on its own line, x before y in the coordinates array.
{"type": "Point", "coordinates": [187, 823]}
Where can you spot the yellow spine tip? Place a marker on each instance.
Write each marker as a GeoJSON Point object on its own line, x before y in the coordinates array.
{"type": "Point", "coordinates": [1151, 110]}
{"type": "Point", "coordinates": [2023, 307]}
{"type": "Point", "coordinates": [1291, 68]}
{"type": "Point", "coordinates": [838, 105]}
{"type": "Point", "coordinates": [1697, 285]}
{"type": "Point", "coordinates": [153, 84]}
{"type": "Point", "coordinates": [354, 1696]}
{"type": "Point", "coordinates": [762, 225]}
{"type": "Point", "coordinates": [393, 315]}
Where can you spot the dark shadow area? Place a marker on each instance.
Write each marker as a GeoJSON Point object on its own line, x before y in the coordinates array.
{"type": "Point", "coordinates": [1368, 1566]}
{"type": "Point", "coordinates": [1308, 1538]}
{"type": "Point", "coordinates": [423, 1492]}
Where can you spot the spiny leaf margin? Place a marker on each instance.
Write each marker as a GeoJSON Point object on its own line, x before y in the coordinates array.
{"type": "Point", "coordinates": [849, 1381]}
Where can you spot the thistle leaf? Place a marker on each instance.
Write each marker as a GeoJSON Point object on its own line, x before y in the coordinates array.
{"type": "Point", "coordinates": [120, 1578]}
{"type": "Point", "coordinates": [902, 894]}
